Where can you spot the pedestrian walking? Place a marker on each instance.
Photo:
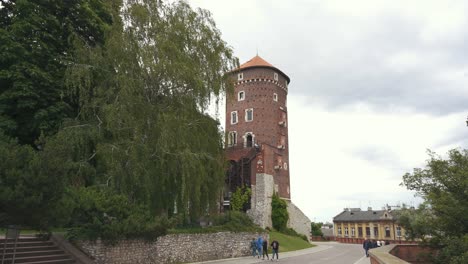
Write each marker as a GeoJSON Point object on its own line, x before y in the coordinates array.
{"type": "Point", "coordinates": [265, 249]}
{"type": "Point", "coordinates": [253, 247]}
{"type": "Point", "coordinates": [366, 245]}
{"type": "Point", "coordinates": [275, 248]}
{"type": "Point", "coordinates": [259, 245]}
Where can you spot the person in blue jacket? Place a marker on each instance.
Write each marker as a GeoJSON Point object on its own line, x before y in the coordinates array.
{"type": "Point", "coordinates": [259, 245]}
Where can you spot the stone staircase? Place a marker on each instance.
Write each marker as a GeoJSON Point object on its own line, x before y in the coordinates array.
{"type": "Point", "coordinates": [33, 250]}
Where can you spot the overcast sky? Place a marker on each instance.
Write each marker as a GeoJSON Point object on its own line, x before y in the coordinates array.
{"type": "Point", "coordinates": [374, 84]}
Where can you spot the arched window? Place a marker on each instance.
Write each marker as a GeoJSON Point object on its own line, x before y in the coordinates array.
{"type": "Point", "coordinates": [249, 114]}
{"type": "Point", "coordinates": [232, 138]}
{"type": "Point", "coordinates": [249, 140]}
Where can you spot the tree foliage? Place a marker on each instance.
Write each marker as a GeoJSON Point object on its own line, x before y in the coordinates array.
{"type": "Point", "coordinates": [240, 198]}
{"type": "Point", "coordinates": [37, 45]}
{"type": "Point", "coordinates": [443, 185]}
{"type": "Point", "coordinates": [316, 229]}
{"type": "Point", "coordinates": [279, 213]}
{"type": "Point", "coordinates": [115, 96]}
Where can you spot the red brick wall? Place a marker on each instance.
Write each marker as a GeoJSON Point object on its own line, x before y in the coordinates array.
{"type": "Point", "coordinates": [259, 86]}
{"type": "Point", "coordinates": [414, 253]}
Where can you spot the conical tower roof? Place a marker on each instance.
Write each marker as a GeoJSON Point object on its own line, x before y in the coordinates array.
{"type": "Point", "coordinates": [259, 62]}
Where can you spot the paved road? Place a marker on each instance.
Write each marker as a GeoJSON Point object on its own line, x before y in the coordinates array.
{"type": "Point", "coordinates": [326, 253]}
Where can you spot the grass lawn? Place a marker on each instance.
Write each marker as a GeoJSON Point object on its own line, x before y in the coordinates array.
{"type": "Point", "coordinates": [288, 243]}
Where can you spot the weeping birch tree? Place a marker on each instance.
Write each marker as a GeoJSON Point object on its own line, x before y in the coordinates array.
{"type": "Point", "coordinates": [147, 91]}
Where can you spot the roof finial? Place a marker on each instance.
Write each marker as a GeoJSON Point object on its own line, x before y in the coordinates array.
{"type": "Point", "coordinates": [257, 55]}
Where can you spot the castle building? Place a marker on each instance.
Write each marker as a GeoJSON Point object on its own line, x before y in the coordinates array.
{"type": "Point", "coordinates": [257, 138]}
{"type": "Point", "coordinates": [354, 225]}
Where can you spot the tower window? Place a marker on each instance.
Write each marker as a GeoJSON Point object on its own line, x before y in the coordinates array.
{"type": "Point", "coordinates": [241, 96]}
{"type": "Point", "coordinates": [275, 97]}
{"type": "Point", "coordinates": [240, 76]}
{"type": "Point", "coordinates": [249, 141]}
{"type": "Point", "coordinates": [249, 114]}
{"type": "Point", "coordinates": [285, 166]}
{"type": "Point", "coordinates": [275, 76]}
{"type": "Point", "coordinates": [233, 117]}
{"type": "Point", "coordinates": [232, 138]}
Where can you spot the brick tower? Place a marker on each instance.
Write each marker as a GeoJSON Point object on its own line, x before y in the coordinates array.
{"type": "Point", "coordinates": [257, 136]}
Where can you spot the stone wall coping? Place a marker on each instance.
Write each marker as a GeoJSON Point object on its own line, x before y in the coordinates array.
{"type": "Point", "coordinates": [382, 255]}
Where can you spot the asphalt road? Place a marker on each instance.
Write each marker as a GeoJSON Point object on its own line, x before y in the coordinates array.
{"type": "Point", "coordinates": [324, 252]}
{"type": "Point", "coordinates": [336, 254]}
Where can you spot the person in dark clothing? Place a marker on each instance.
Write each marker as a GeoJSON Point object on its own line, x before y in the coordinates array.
{"type": "Point", "coordinates": [253, 247]}
{"type": "Point", "coordinates": [265, 248]}
{"type": "Point", "coordinates": [367, 245]}
{"type": "Point", "coordinates": [275, 248]}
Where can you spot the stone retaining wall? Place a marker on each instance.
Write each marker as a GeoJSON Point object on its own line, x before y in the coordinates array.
{"type": "Point", "coordinates": [298, 220]}
{"type": "Point", "coordinates": [176, 248]}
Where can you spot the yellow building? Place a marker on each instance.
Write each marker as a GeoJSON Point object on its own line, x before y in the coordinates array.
{"type": "Point", "coordinates": [354, 226]}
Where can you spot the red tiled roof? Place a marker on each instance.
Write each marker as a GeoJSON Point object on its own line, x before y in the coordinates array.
{"type": "Point", "coordinates": [255, 62]}
{"type": "Point", "coordinates": [258, 61]}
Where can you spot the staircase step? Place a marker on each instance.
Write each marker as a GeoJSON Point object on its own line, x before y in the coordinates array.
{"type": "Point", "coordinates": [22, 239]}
{"type": "Point", "coordinates": [44, 259]}
{"type": "Point", "coordinates": [53, 251]}
{"type": "Point", "coordinates": [27, 244]}
{"type": "Point", "coordinates": [60, 261]}
{"type": "Point", "coordinates": [30, 249]}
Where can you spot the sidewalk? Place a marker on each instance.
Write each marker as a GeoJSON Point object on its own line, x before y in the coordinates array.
{"type": "Point", "coordinates": [250, 259]}
{"type": "Point", "coordinates": [363, 260]}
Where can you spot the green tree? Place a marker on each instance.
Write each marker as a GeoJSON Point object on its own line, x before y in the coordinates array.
{"type": "Point", "coordinates": [240, 198]}
{"type": "Point", "coordinates": [443, 185]}
{"type": "Point", "coordinates": [30, 195]}
{"type": "Point", "coordinates": [316, 229]}
{"type": "Point", "coordinates": [148, 93]}
{"type": "Point", "coordinates": [38, 41]}
{"type": "Point", "coordinates": [134, 81]}
{"type": "Point", "coordinates": [279, 213]}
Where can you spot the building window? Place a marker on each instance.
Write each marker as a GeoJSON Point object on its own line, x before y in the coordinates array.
{"type": "Point", "coordinates": [275, 97]}
{"type": "Point", "coordinates": [249, 141]}
{"type": "Point", "coordinates": [353, 233]}
{"type": "Point", "coordinates": [232, 138]}
{"type": "Point", "coordinates": [359, 230]}
{"type": "Point", "coordinates": [241, 96]}
{"type": "Point", "coordinates": [275, 76]}
{"type": "Point", "coordinates": [376, 231]}
{"type": "Point", "coordinates": [286, 84]}
{"type": "Point", "coordinates": [249, 114]}
{"type": "Point", "coordinates": [398, 231]}
{"type": "Point", "coordinates": [240, 76]}
{"type": "Point", "coordinates": [346, 232]}
{"type": "Point", "coordinates": [367, 231]}
{"type": "Point", "coordinates": [387, 231]}
{"type": "Point", "coordinates": [339, 231]}
{"type": "Point", "coordinates": [233, 117]}
{"type": "Point", "coordinates": [285, 166]}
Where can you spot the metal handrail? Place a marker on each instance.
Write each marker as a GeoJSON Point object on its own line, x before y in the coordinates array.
{"type": "Point", "coordinates": [12, 232]}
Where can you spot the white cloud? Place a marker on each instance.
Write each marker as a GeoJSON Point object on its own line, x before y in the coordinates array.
{"type": "Point", "coordinates": [373, 85]}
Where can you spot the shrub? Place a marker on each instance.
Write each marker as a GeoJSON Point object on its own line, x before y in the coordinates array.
{"type": "Point", "coordinates": [102, 213]}
{"type": "Point", "coordinates": [240, 198]}
{"type": "Point", "coordinates": [279, 213]}
{"type": "Point", "coordinates": [236, 222]}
